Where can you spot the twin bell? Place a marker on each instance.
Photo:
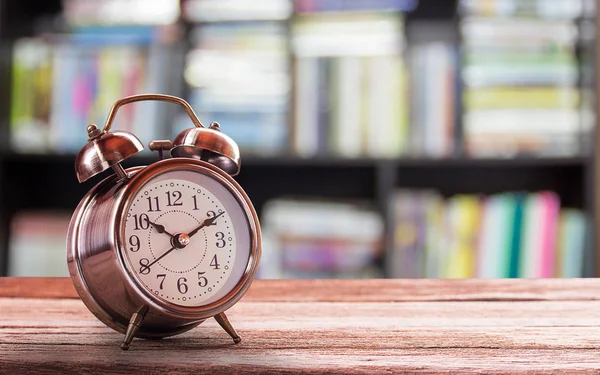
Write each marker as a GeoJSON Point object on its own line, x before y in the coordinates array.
{"type": "Point", "coordinates": [107, 149]}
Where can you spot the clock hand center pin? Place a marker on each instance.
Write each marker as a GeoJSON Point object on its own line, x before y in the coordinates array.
{"type": "Point", "coordinates": [181, 240]}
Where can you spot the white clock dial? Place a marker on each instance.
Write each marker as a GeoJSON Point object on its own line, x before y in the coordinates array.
{"type": "Point", "coordinates": [186, 238]}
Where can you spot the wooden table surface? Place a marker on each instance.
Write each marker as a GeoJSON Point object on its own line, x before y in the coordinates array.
{"type": "Point", "coordinates": [324, 326]}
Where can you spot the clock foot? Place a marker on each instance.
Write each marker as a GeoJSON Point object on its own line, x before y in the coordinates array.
{"type": "Point", "coordinates": [134, 324]}
{"type": "Point", "coordinates": [224, 323]}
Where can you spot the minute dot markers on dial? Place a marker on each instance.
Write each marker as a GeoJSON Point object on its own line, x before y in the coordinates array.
{"type": "Point", "coordinates": [200, 206]}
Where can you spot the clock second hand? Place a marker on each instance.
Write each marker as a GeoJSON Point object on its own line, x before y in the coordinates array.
{"type": "Point", "coordinates": [157, 259]}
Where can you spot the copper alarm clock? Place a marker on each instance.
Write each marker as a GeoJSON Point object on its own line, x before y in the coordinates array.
{"type": "Point", "coordinates": [155, 250]}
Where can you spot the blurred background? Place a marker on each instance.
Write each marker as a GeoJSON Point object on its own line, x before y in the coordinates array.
{"type": "Point", "coordinates": [380, 138]}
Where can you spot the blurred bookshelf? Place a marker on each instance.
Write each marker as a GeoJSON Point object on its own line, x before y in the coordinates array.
{"type": "Point", "coordinates": [380, 138]}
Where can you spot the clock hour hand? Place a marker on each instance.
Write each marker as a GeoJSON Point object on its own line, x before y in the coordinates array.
{"type": "Point", "coordinates": [209, 221]}
{"type": "Point", "coordinates": [159, 228]}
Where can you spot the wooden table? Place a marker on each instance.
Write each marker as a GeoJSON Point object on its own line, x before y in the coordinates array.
{"type": "Point", "coordinates": [324, 326]}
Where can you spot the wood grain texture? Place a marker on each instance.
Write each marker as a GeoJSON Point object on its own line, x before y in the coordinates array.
{"type": "Point", "coordinates": [37, 287]}
{"type": "Point", "coordinates": [315, 327]}
{"type": "Point", "coordinates": [399, 290]}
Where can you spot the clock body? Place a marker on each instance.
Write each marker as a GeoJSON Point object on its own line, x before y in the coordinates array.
{"type": "Point", "coordinates": [179, 236]}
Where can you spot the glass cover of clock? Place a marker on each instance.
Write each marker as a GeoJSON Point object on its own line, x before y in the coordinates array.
{"type": "Point", "coordinates": [186, 238]}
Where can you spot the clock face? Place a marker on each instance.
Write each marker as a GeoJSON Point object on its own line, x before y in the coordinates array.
{"type": "Point", "coordinates": [186, 238]}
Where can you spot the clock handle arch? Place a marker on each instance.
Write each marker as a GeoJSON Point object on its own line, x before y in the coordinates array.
{"type": "Point", "coordinates": [106, 149]}
{"type": "Point", "coordinates": [150, 97]}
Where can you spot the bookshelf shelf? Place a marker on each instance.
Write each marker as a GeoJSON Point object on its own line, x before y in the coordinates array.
{"type": "Point", "coordinates": [332, 178]}
{"type": "Point", "coordinates": [330, 161]}
{"type": "Point", "coordinates": [454, 162]}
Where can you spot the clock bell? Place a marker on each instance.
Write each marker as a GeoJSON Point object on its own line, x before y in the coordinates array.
{"type": "Point", "coordinates": [107, 149]}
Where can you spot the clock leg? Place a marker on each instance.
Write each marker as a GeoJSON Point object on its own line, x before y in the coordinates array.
{"type": "Point", "coordinates": [134, 324]}
{"type": "Point", "coordinates": [224, 323]}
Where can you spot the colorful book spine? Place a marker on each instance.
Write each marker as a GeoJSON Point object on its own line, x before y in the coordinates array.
{"type": "Point", "coordinates": [306, 129]}
{"type": "Point", "coordinates": [409, 234]}
{"type": "Point", "coordinates": [549, 223]}
{"type": "Point", "coordinates": [464, 216]}
{"type": "Point", "coordinates": [432, 99]}
{"type": "Point", "coordinates": [503, 235]}
{"type": "Point", "coordinates": [516, 234]}
{"type": "Point", "coordinates": [323, 99]}
{"type": "Point", "coordinates": [494, 237]}
{"type": "Point", "coordinates": [385, 121]}
{"type": "Point", "coordinates": [31, 92]}
{"type": "Point", "coordinates": [530, 257]}
{"type": "Point", "coordinates": [434, 230]}
{"type": "Point", "coordinates": [311, 6]}
{"type": "Point", "coordinates": [522, 97]}
{"type": "Point", "coordinates": [573, 229]}
{"type": "Point", "coordinates": [346, 129]}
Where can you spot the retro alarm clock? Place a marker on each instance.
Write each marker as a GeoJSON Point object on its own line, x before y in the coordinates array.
{"type": "Point", "coordinates": [155, 250]}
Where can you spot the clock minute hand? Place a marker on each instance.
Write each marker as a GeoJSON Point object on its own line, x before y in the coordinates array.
{"type": "Point", "coordinates": [206, 223]}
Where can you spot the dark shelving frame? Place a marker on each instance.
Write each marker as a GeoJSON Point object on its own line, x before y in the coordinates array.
{"type": "Point", "coordinates": [23, 180]}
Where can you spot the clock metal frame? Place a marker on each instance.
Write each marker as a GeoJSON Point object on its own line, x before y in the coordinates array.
{"type": "Point", "coordinates": [186, 164]}
{"type": "Point", "coordinates": [104, 282]}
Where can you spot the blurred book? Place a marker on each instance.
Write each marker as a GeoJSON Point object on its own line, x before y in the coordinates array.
{"type": "Point", "coordinates": [312, 239]}
{"type": "Point", "coordinates": [433, 70]}
{"type": "Point", "coordinates": [521, 73]}
{"type": "Point", "coordinates": [236, 10]}
{"type": "Point", "coordinates": [37, 244]}
{"type": "Point", "coordinates": [555, 9]}
{"type": "Point", "coordinates": [350, 84]}
{"type": "Point", "coordinates": [462, 227]}
{"type": "Point", "coordinates": [539, 247]}
{"type": "Point", "coordinates": [519, 32]}
{"type": "Point", "coordinates": [505, 235]}
{"type": "Point", "coordinates": [121, 12]}
{"type": "Point", "coordinates": [573, 229]}
{"type": "Point", "coordinates": [348, 34]}
{"type": "Point", "coordinates": [31, 96]}
{"type": "Point", "coordinates": [238, 73]}
{"type": "Point", "coordinates": [361, 92]}
{"type": "Point", "coordinates": [495, 236]}
{"type": "Point", "coordinates": [62, 83]}
{"type": "Point", "coordinates": [313, 6]}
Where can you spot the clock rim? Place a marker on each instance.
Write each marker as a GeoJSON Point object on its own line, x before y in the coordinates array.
{"type": "Point", "coordinates": [181, 164]}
